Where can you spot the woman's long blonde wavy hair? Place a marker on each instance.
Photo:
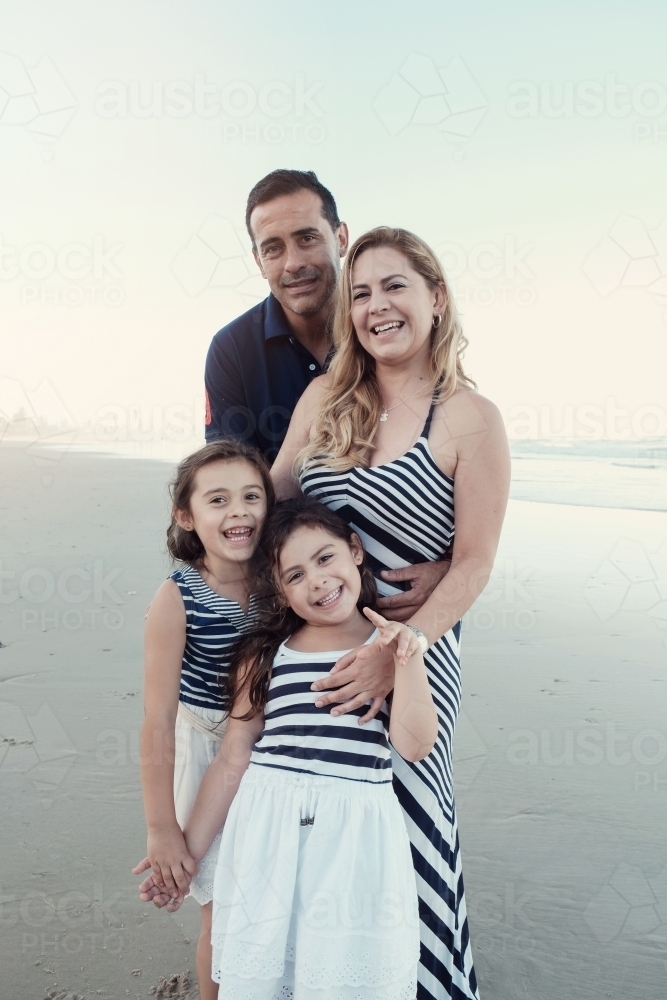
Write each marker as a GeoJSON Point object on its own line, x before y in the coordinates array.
{"type": "Point", "coordinates": [351, 407]}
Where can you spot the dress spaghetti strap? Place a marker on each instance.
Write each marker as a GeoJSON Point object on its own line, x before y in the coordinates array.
{"type": "Point", "coordinates": [434, 400]}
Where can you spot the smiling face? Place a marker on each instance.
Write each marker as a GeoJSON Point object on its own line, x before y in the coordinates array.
{"type": "Point", "coordinates": [393, 307]}
{"type": "Point", "coordinates": [227, 509]}
{"type": "Point", "coordinates": [319, 575]}
{"type": "Point", "coordinates": [298, 252]}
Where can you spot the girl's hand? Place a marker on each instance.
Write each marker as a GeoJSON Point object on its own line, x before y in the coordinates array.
{"type": "Point", "coordinates": [394, 635]}
{"type": "Point", "coordinates": [170, 860]}
{"type": "Point", "coordinates": [153, 889]}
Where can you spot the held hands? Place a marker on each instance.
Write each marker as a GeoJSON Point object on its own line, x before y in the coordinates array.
{"type": "Point", "coordinates": [173, 868]}
{"type": "Point", "coordinates": [394, 636]}
{"type": "Point", "coordinates": [153, 889]}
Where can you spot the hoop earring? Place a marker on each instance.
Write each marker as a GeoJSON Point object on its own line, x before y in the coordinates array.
{"type": "Point", "coordinates": [439, 319]}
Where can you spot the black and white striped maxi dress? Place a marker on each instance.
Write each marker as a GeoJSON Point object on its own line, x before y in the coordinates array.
{"type": "Point", "coordinates": [403, 512]}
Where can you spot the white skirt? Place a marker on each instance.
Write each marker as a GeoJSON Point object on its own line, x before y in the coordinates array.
{"type": "Point", "coordinates": [320, 910]}
{"type": "Point", "coordinates": [198, 735]}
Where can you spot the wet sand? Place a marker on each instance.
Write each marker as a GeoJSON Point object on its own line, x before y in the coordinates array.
{"type": "Point", "coordinates": [561, 752]}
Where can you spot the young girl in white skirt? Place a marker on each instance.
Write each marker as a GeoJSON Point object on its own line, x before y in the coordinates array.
{"type": "Point", "coordinates": [220, 497]}
{"type": "Point", "coordinates": [314, 895]}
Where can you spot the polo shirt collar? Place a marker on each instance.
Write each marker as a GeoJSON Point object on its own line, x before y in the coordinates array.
{"type": "Point", "coordinates": [275, 323]}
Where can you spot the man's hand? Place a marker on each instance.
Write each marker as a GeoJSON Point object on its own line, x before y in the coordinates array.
{"type": "Point", "coordinates": [362, 675]}
{"type": "Point", "coordinates": [423, 577]}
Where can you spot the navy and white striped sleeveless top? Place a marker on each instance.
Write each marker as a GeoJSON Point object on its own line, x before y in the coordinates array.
{"type": "Point", "coordinates": [297, 736]}
{"type": "Point", "coordinates": [213, 624]}
{"type": "Point", "coordinates": [403, 511]}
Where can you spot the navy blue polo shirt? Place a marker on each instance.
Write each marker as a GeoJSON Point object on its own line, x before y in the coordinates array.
{"type": "Point", "coordinates": [256, 370]}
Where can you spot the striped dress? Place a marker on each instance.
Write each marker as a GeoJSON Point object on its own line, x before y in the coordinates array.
{"type": "Point", "coordinates": [213, 624]}
{"type": "Point", "coordinates": [300, 737]}
{"type": "Point", "coordinates": [403, 512]}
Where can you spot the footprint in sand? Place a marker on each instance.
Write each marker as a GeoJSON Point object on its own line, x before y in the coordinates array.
{"type": "Point", "coordinates": [176, 988]}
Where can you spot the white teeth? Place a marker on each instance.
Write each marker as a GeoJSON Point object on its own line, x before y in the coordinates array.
{"type": "Point", "coordinates": [329, 598]}
{"type": "Point", "coordinates": [387, 326]}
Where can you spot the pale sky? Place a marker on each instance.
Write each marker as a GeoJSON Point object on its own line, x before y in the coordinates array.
{"type": "Point", "coordinates": [528, 147]}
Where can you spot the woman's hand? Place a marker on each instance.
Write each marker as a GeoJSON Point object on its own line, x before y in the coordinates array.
{"type": "Point", "coordinates": [362, 675]}
{"type": "Point", "coordinates": [423, 577]}
{"type": "Point", "coordinates": [170, 860]}
{"type": "Point", "coordinates": [394, 636]}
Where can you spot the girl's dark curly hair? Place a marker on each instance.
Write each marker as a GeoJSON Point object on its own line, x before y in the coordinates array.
{"type": "Point", "coordinates": [254, 653]}
{"type": "Point", "coordinates": [186, 546]}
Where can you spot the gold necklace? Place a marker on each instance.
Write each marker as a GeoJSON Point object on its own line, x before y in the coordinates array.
{"type": "Point", "coordinates": [387, 410]}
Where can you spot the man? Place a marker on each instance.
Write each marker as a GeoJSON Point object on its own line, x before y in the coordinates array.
{"type": "Point", "coordinates": [258, 365]}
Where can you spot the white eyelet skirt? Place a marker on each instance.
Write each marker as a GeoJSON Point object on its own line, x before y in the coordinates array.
{"type": "Point", "coordinates": [314, 895]}
{"type": "Point", "coordinates": [198, 735]}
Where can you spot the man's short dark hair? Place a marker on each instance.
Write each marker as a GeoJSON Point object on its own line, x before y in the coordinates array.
{"type": "Point", "coordinates": [280, 182]}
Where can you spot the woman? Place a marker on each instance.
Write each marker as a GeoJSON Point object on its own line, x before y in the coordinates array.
{"type": "Point", "coordinates": [395, 438]}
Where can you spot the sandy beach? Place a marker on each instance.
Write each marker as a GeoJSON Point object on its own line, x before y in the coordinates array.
{"type": "Point", "coordinates": [561, 752]}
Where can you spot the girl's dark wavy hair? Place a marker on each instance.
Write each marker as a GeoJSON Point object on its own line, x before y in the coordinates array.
{"type": "Point", "coordinates": [186, 546]}
{"type": "Point", "coordinates": [254, 653]}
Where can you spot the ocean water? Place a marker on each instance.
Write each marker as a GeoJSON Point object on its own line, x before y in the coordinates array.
{"type": "Point", "coordinates": [591, 474]}
{"type": "Point", "coordinates": [630, 475]}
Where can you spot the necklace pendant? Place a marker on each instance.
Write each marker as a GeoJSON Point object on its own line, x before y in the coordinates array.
{"type": "Point", "coordinates": [383, 416]}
